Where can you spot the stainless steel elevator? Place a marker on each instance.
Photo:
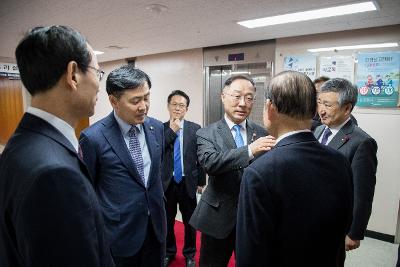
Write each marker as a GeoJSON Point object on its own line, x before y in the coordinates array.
{"type": "Point", "coordinates": [220, 63]}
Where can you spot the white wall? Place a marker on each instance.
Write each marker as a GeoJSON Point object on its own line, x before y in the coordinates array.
{"type": "Point", "coordinates": [381, 124]}
{"type": "Point", "coordinates": [181, 70]}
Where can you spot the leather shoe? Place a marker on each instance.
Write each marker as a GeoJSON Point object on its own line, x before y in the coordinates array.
{"type": "Point", "coordinates": [167, 261]}
{"type": "Point", "coordinates": [190, 262]}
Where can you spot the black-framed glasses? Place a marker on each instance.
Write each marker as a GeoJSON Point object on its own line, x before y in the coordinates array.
{"type": "Point", "coordinates": [99, 73]}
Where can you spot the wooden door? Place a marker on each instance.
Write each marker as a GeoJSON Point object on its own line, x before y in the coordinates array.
{"type": "Point", "coordinates": [11, 107]}
{"type": "Point", "coordinates": [82, 124]}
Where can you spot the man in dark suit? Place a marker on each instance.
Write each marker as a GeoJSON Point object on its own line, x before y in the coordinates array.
{"type": "Point", "coordinates": [124, 153]}
{"type": "Point", "coordinates": [49, 213]}
{"type": "Point", "coordinates": [182, 175]}
{"type": "Point", "coordinates": [335, 103]}
{"type": "Point", "coordinates": [225, 148]}
{"type": "Point", "coordinates": [295, 203]}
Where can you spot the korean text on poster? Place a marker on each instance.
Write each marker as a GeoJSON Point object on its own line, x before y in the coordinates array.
{"type": "Point", "coordinates": [306, 64]}
{"type": "Point", "coordinates": [378, 79]}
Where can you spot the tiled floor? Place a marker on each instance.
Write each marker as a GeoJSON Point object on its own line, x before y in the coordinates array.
{"type": "Point", "coordinates": [373, 253]}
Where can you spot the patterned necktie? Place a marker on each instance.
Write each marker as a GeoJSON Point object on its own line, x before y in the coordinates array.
{"type": "Point", "coordinates": [177, 159]}
{"type": "Point", "coordinates": [136, 152]}
{"type": "Point", "coordinates": [80, 154]}
{"type": "Point", "coordinates": [238, 137]}
{"type": "Point", "coordinates": [327, 133]}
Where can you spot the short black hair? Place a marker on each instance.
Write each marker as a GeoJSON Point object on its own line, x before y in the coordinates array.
{"type": "Point", "coordinates": [44, 53]}
{"type": "Point", "coordinates": [230, 80]}
{"type": "Point", "coordinates": [124, 78]}
{"type": "Point", "coordinates": [180, 93]}
{"type": "Point", "coordinates": [293, 93]}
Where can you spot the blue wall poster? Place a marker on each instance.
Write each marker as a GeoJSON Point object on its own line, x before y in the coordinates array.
{"type": "Point", "coordinates": [306, 64]}
{"type": "Point", "coordinates": [378, 79]}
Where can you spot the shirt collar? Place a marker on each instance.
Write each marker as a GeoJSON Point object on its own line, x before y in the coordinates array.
{"type": "Point", "coordinates": [290, 133]}
{"type": "Point", "coordinates": [336, 129]}
{"type": "Point", "coordinates": [231, 123]}
{"type": "Point", "coordinates": [124, 126]}
{"type": "Point", "coordinates": [62, 126]}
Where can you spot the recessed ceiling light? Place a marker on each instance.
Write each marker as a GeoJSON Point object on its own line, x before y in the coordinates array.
{"type": "Point", "coordinates": [348, 47]}
{"type": "Point", "coordinates": [310, 15]}
{"type": "Point", "coordinates": [156, 9]}
{"type": "Point", "coordinates": [98, 52]}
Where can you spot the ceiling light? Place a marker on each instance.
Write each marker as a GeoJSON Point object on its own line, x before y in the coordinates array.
{"type": "Point", "coordinates": [310, 15]}
{"type": "Point", "coordinates": [348, 47]}
{"type": "Point", "coordinates": [98, 52]}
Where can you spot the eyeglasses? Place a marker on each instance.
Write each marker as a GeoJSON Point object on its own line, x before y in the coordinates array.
{"type": "Point", "coordinates": [249, 99]}
{"type": "Point", "coordinates": [99, 73]}
{"type": "Point", "coordinates": [176, 105]}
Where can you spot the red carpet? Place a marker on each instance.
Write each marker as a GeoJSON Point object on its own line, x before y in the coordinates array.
{"type": "Point", "coordinates": [179, 260]}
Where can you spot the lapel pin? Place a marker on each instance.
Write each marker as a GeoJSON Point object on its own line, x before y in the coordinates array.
{"type": "Point", "coordinates": [151, 127]}
{"type": "Point", "coordinates": [253, 137]}
{"type": "Point", "coordinates": [345, 138]}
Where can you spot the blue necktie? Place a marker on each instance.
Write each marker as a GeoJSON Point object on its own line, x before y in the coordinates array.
{"type": "Point", "coordinates": [238, 137]}
{"type": "Point", "coordinates": [326, 135]}
{"type": "Point", "coordinates": [135, 151]}
{"type": "Point", "coordinates": [177, 159]}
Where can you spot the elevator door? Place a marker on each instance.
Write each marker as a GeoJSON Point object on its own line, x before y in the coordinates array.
{"type": "Point", "coordinates": [215, 77]}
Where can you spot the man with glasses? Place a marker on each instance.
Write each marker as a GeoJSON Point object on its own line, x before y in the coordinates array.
{"type": "Point", "coordinates": [49, 212]}
{"type": "Point", "coordinates": [123, 153]}
{"type": "Point", "coordinates": [225, 148]}
{"type": "Point", "coordinates": [182, 175]}
{"type": "Point", "coordinates": [335, 103]}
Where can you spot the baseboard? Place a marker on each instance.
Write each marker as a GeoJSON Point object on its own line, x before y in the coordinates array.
{"type": "Point", "coordinates": [380, 236]}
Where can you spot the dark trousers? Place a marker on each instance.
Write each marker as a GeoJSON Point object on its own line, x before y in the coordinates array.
{"type": "Point", "coordinates": [216, 252]}
{"type": "Point", "coordinates": [151, 254]}
{"type": "Point", "coordinates": [177, 194]}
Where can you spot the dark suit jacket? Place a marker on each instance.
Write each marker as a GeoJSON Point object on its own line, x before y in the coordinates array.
{"type": "Point", "coordinates": [49, 213]}
{"type": "Point", "coordinates": [295, 206]}
{"type": "Point", "coordinates": [215, 215]}
{"type": "Point", "coordinates": [194, 173]}
{"type": "Point", "coordinates": [360, 149]}
{"type": "Point", "coordinates": [124, 199]}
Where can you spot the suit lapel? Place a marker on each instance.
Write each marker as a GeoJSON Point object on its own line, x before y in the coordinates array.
{"type": "Point", "coordinates": [113, 134]}
{"type": "Point", "coordinates": [342, 136]}
{"type": "Point", "coordinates": [186, 133]}
{"type": "Point", "coordinates": [251, 132]}
{"type": "Point", "coordinates": [152, 145]}
{"type": "Point", "coordinates": [224, 131]}
{"type": "Point", "coordinates": [41, 126]}
{"type": "Point", "coordinates": [319, 131]}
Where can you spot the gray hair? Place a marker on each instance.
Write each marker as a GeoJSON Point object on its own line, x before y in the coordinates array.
{"type": "Point", "coordinates": [347, 91]}
{"type": "Point", "coordinates": [293, 94]}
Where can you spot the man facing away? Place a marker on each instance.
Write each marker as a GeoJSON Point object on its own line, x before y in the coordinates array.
{"type": "Point", "coordinates": [49, 213]}
{"type": "Point", "coordinates": [295, 203]}
{"type": "Point", "coordinates": [182, 174]}
{"type": "Point", "coordinates": [225, 148]}
{"type": "Point", "coordinates": [335, 103]}
{"type": "Point", "coordinates": [123, 152]}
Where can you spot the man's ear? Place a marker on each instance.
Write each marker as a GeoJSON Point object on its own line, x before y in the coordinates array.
{"type": "Point", "coordinates": [270, 109]}
{"type": "Point", "coordinates": [113, 101]}
{"type": "Point", "coordinates": [72, 75]}
{"type": "Point", "coordinates": [347, 108]}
